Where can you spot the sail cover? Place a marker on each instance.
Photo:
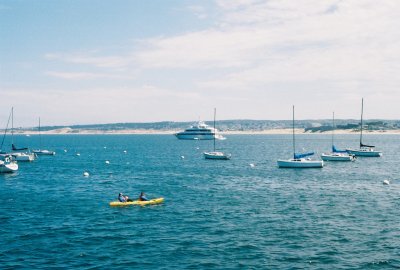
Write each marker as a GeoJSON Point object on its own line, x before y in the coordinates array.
{"type": "Point", "coordinates": [297, 156]}
{"type": "Point", "coordinates": [17, 149]}
{"type": "Point", "coordinates": [364, 145]}
{"type": "Point", "coordinates": [335, 150]}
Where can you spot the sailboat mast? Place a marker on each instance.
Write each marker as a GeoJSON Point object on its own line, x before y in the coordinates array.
{"type": "Point", "coordinates": [294, 143]}
{"type": "Point", "coordinates": [40, 136]}
{"type": "Point", "coordinates": [333, 126]}
{"type": "Point", "coordinates": [215, 133]}
{"type": "Point", "coordinates": [362, 111]}
{"type": "Point", "coordinates": [12, 125]}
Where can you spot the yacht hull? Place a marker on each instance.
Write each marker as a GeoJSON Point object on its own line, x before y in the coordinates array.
{"type": "Point", "coordinates": [183, 136]}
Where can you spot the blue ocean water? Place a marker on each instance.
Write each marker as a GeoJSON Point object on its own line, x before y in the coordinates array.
{"type": "Point", "coordinates": [216, 215]}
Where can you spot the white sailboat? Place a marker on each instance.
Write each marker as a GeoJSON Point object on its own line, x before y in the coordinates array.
{"type": "Point", "coordinates": [19, 154]}
{"type": "Point", "coordinates": [365, 150]}
{"type": "Point", "coordinates": [216, 154]}
{"type": "Point", "coordinates": [336, 155]}
{"type": "Point", "coordinates": [41, 151]}
{"type": "Point", "coordinates": [7, 164]}
{"type": "Point", "coordinates": [299, 160]}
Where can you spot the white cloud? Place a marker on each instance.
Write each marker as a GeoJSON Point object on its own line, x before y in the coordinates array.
{"type": "Point", "coordinates": [280, 50]}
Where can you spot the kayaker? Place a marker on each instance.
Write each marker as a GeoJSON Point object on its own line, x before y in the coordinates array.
{"type": "Point", "coordinates": [142, 197]}
{"type": "Point", "coordinates": [123, 198]}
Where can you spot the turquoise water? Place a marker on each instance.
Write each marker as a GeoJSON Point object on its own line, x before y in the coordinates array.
{"type": "Point", "coordinates": [216, 215]}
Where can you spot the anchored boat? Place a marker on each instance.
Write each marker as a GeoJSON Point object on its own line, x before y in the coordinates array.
{"type": "Point", "coordinates": [299, 160]}
{"type": "Point", "coordinates": [216, 154]}
{"type": "Point", "coordinates": [365, 150]}
{"type": "Point", "coordinates": [336, 155]}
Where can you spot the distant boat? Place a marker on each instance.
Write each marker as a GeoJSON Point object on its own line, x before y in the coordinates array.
{"type": "Point", "coordinates": [201, 131]}
{"type": "Point", "coordinates": [41, 151]}
{"type": "Point", "coordinates": [216, 154]}
{"type": "Point", "coordinates": [365, 150]}
{"type": "Point", "coordinates": [7, 164]}
{"type": "Point", "coordinates": [19, 154]}
{"type": "Point", "coordinates": [16, 153]}
{"type": "Point", "coordinates": [299, 160]}
{"type": "Point", "coordinates": [336, 155]}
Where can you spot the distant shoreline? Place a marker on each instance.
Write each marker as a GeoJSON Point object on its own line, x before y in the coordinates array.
{"type": "Point", "coordinates": [69, 131]}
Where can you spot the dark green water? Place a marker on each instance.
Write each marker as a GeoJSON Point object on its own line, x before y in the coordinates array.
{"type": "Point", "coordinates": [216, 215]}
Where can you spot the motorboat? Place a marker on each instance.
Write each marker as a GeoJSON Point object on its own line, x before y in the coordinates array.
{"type": "Point", "coordinates": [201, 131]}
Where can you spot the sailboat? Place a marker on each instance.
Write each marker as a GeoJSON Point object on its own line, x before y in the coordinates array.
{"type": "Point", "coordinates": [43, 151]}
{"type": "Point", "coordinates": [336, 155]}
{"type": "Point", "coordinates": [216, 154]}
{"type": "Point", "coordinates": [19, 154]}
{"type": "Point", "coordinates": [365, 150]}
{"type": "Point", "coordinates": [299, 160]}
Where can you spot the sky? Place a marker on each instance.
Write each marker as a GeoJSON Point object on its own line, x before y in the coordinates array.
{"type": "Point", "coordinates": [100, 61]}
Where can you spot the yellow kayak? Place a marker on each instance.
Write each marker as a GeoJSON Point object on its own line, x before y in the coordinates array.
{"type": "Point", "coordinates": [141, 203]}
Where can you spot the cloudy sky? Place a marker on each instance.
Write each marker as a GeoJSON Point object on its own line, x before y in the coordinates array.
{"type": "Point", "coordinates": [100, 61]}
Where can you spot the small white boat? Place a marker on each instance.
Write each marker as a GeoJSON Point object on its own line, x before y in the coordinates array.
{"type": "Point", "coordinates": [42, 152]}
{"type": "Point", "coordinates": [336, 155]}
{"type": "Point", "coordinates": [300, 163]}
{"type": "Point", "coordinates": [7, 164]}
{"type": "Point", "coordinates": [19, 154]}
{"type": "Point", "coordinates": [23, 156]}
{"type": "Point", "coordinates": [299, 160]}
{"type": "Point", "coordinates": [365, 150]}
{"type": "Point", "coordinates": [216, 154]}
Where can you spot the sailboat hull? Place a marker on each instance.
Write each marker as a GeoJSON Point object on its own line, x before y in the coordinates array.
{"type": "Point", "coordinates": [300, 163]}
{"type": "Point", "coordinates": [24, 157]}
{"type": "Point", "coordinates": [44, 152]}
{"type": "Point", "coordinates": [364, 152]}
{"type": "Point", "coordinates": [216, 155]}
{"type": "Point", "coordinates": [337, 157]}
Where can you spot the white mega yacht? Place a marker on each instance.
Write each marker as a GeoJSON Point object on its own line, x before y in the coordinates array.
{"type": "Point", "coordinates": [201, 131]}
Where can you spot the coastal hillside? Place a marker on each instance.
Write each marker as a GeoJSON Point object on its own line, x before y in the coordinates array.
{"type": "Point", "coordinates": [309, 126]}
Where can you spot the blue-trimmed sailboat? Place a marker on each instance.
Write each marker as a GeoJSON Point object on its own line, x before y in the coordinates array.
{"type": "Point", "coordinates": [336, 154]}
{"type": "Point", "coordinates": [299, 160]}
{"type": "Point", "coordinates": [365, 150]}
